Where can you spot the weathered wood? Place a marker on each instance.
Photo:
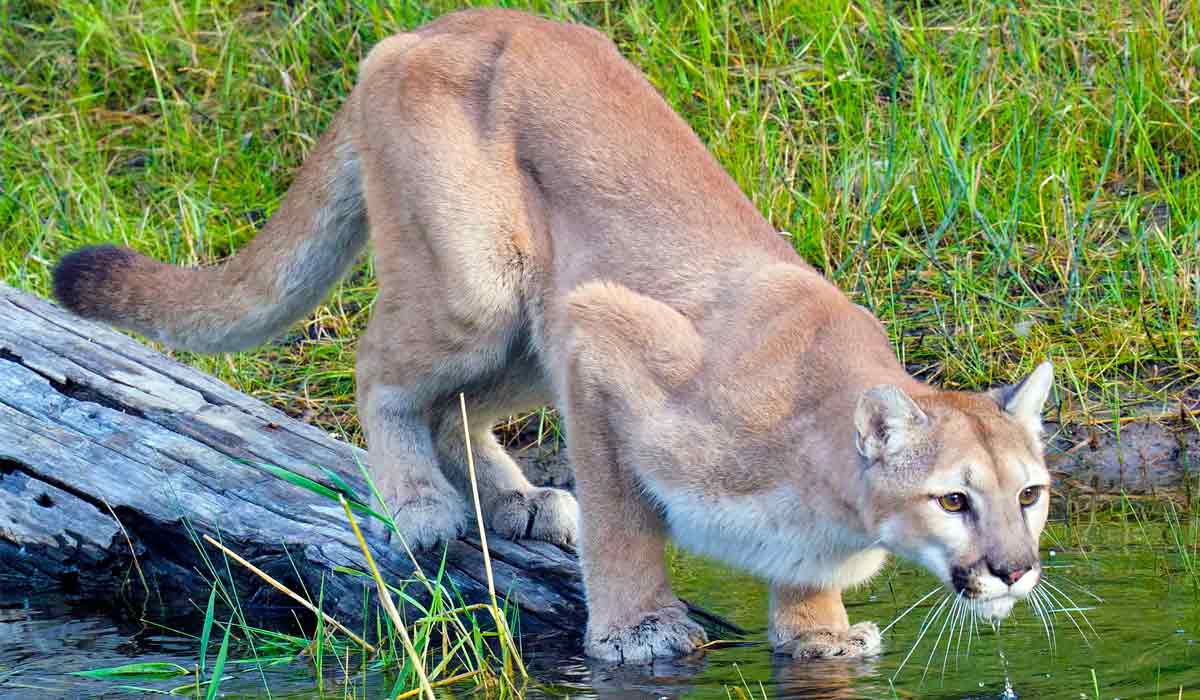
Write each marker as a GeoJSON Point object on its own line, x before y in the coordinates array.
{"type": "Point", "coordinates": [91, 420]}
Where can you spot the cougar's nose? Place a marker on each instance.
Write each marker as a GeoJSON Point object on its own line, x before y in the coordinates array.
{"type": "Point", "coordinates": [1008, 575]}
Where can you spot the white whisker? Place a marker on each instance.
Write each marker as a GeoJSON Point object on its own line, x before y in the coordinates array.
{"type": "Point", "coordinates": [910, 609]}
{"type": "Point", "coordinates": [968, 612]}
{"type": "Point", "coordinates": [1069, 582]}
{"type": "Point", "coordinates": [1035, 602]}
{"type": "Point", "coordinates": [942, 631]}
{"type": "Point", "coordinates": [1074, 606]}
{"type": "Point", "coordinates": [1058, 607]}
{"type": "Point", "coordinates": [1048, 609]}
{"type": "Point", "coordinates": [932, 616]}
{"type": "Point", "coordinates": [1035, 607]}
{"type": "Point", "coordinates": [925, 625]}
{"type": "Point", "coordinates": [974, 631]}
{"type": "Point", "coordinates": [955, 624]}
{"type": "Point", "coordinates": [952, 623]}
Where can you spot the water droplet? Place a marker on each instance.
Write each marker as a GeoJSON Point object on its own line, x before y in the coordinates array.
{"type": "Point", "coordinates": [1009, 693]}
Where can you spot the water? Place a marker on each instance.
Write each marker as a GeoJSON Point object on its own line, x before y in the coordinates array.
{"type": "Point", "coordinates": [1145, 645]}
{"type": "Point", "coordinates": [1008, 693]}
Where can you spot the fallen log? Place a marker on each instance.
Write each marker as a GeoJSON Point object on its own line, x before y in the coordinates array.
{"type": "Point", "coordinates": [115, 460]}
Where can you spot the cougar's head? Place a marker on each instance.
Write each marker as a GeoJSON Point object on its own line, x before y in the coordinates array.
{"type": "Point", "coordinates": [957, 482]}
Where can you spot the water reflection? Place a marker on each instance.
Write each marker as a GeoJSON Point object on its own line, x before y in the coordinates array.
{"type": "Point", "coordinates": [703, 675]}
{"type": "Point", "coordinates": [40, 638]}
{"type": "Point", "coordinates": [1145, 646]}
{"type": "Point", "coordinates": [828, 679]}
{"type": "Point", "coordinates": [660, 679]}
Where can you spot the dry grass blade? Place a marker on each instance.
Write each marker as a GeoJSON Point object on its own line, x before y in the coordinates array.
{"type": "Point", "coordinates": [501, 623]}
{"type": "Point", "coordinates": [487, 559]}
{"type": "Point", "coordinates": [442, 683]}
{"type": "Point", "coordinates": [389, 605]}
{"type": "Point", "coordinates": [290, 593]}
{"type": "Point", "coordinates": [133, 552]}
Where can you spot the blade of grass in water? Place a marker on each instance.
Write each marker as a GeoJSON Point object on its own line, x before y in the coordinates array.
{"type": "Point", "coordinates": [287, 591]}
{"type": "Point", "coordinates": [149, 671]}
{"type": "Point", "coordinates": [207, 629]}
{"type": "Point", "coordinates": [219, 665]}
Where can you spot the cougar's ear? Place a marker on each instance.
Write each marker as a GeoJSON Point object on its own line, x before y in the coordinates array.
{"type": "Point", "coordinates": [887, 421]}
{"type": "Point", "coordinates": [1024, 400]}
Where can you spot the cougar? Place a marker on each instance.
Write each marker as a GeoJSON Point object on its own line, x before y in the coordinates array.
{"type": "Point", "coordinates": [547, 230]}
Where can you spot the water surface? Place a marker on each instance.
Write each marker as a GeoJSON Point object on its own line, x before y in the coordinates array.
{"type": "Point", "coordinates": [1141, 643]}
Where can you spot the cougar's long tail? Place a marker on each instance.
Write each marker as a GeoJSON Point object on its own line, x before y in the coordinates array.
{"type": "Point", "coordinates": [308, 245]}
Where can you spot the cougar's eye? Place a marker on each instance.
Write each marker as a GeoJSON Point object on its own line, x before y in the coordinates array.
{"type": "Point", "coordinates": [953, 502]}
{"type": "Point", "coordinates": [1030, 496]}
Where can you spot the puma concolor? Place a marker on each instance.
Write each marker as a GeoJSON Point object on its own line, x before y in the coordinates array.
{"type": "Point", "coordinates": [547, 230]}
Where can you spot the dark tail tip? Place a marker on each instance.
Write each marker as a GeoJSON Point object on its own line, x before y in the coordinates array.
{"type": "Point", "coordinates": [84, 279]}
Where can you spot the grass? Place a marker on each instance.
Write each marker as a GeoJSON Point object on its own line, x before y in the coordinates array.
{"type": "Point", "coordinates": [1000, 182]}
{"type": "Point", "coordinates": [442, 643]}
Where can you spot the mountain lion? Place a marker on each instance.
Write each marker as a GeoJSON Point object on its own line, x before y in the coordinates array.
{"type": "Point", "coordinates": [547, 230]}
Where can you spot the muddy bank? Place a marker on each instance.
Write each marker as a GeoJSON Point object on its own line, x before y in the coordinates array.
{"type": "Point", "coordinates": [1143, 458]}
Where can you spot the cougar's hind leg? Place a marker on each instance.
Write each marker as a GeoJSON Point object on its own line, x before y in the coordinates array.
{"type": "Point", "coordinates": [454, 258]}
{"type": "Point", "coordinates": [394, 409]}
{"type": "Point", "coordinates": [512, 507]}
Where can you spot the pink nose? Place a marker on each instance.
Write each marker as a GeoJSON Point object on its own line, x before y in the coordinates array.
{"type": "Point", "coordinates": [1015, 575]}
{"type": "Point", "coordinates": [1007, 575]}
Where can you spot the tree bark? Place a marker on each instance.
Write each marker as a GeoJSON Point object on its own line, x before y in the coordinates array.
{"type": "Point", "coordinates": [111, 452]}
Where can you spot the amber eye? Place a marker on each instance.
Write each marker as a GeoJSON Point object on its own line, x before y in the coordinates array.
{"type": "Point", "coordinates": [1030, 496]}
{"type": "Point", "coordinates": [953, 502]}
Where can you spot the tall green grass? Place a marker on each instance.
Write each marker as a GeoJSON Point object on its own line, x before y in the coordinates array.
{"type": "Point", "coordinates": [1001, 182]}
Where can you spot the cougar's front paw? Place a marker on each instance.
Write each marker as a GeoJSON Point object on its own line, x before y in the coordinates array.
{"type": "Point", "coordinates": [859, 641]}
{"type": "Point", "coordinates": [428, 517]}
{"type": "Point", "coordinates": [551, 515]}
{"type": "Point", "coordinates": [662, 634]}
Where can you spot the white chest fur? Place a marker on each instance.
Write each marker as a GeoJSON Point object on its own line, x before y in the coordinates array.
{"type": "Point", "coordinates": [773, 536]}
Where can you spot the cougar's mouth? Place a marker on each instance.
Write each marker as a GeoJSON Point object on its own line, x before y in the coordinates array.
{"type": "Point", "coordinates": [988, 595]}
{"type": "Point", "coordinates": [993, 609]}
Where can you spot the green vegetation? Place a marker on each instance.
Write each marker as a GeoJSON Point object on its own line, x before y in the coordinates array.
{"type": "Point", "coordinates": [444, 642]}
{"type": "Point", "coordinates": [999, 181]}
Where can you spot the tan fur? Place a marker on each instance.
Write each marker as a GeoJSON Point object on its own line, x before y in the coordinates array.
{"type": "Point", "coordinates": [546, 229]}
